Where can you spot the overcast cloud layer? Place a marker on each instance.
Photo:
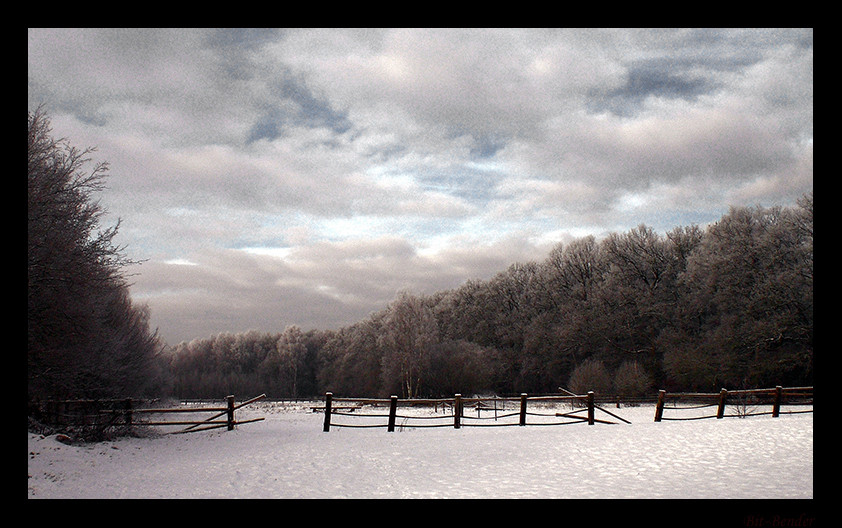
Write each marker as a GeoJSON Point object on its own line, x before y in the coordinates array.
{"type": "Point", "coordinates": [270, 178]}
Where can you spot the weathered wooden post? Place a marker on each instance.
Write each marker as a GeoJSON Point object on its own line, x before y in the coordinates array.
{"type": "Point", "coordinates": [720, 412]}
{"type": "Point", "coordinates": [230, 412]}
{"type": "Point", "coordinates": [659, 407]}
{"type": "Point", "coordinates": [590, 408]}
{"type": "Point", "coordinates": [457, 411]}
{"type": "Point", "coordinates": [128, 414]}
{"type": "Point", "coordinates": [776, 408]}
{"type": "Point", "coordinates": [393, 408]}
{"type": "Point", "coordinates": [523, 408]}
{"type": "Point", "coordinates": [328, 400]}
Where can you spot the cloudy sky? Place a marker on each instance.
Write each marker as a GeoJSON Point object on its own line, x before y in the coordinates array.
{"type": "Point", "coordinates": [277, 177]}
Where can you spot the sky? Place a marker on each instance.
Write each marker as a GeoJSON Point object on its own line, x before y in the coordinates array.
{"type": "Point", "coordinates": [267, 178]}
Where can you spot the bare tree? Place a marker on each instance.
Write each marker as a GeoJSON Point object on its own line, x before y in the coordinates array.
{"type": "Point", "coordinates": [292, 351]}
{"type": "Point", "coordinates": [409, 333]}
{"type": "Point", "coordinates": [631, 380]}
{"type": "Point", "coordinates": [591, 375]}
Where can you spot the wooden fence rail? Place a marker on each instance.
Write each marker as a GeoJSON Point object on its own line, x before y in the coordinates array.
{"type": "Point", "coordinates": [742, 401]}
{"type": "Point", "coordinates": [101, 414]}
{"type": "Point", "coordinates": [497, 410]}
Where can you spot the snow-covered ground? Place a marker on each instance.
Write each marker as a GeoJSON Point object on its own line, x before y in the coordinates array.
{"type": "Point", "coordinates": [289, 456]}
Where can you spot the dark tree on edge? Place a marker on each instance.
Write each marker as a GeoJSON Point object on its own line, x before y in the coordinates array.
{"type": "Point", "coordinates": [85, 337]}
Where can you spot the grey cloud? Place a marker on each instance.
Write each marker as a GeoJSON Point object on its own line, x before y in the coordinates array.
{"type": "Point", "coordinates": [324, 286]}
{"type": "Point", "coordinates": [688, 63]}
{"type": "Point", "coordinates": [234, 48]}
{"type": "Point", "coordinates": [646, 80]}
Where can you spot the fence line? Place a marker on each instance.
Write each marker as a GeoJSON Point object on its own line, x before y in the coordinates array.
{"type": "Point", "coordinates": [99, 415]}
{"type": "Point", "coordinates": [496, 410]}
{"type": "Point", "coordinates": [742, 401]}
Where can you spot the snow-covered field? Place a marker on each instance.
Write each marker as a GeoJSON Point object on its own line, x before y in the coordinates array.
{"type": "Point", "coordinates": [289, 456]}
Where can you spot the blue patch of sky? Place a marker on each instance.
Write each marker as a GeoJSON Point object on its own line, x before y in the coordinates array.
{"type": "Point", "coordinates": [474, 179]}
{"type": "Point", "coordinates": [486, 146]}
{"type": "Point", "coordinates": [468, 182]}
{"type": "Point", "coordinates": [650, 79]}
{"type": "Point", "coordinates": [296, 105]}
{"type": "Point", "coordinates": [664, 221]}
{"type": "Point", "coordinates": [688, 72]}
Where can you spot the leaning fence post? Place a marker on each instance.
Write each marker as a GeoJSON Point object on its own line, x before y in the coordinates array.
{"type": "Point", "coordinates": [393, 408]}
{"type": "Point", "coordinates": [659, 408]}
{"type": "Point", "coordinates": [457, 411]}
{"type": "Point", "coordinates": [776, 408]}
{"type": "Point", "coordinates": [230, 412]}
{"type": "Point", "coordinates": [328, 399]}
{"type": "Point", "coordinates": [523, 408]}
{"type": "Point", "coordinates": [590, 408]}
{"type": "Point", "coordinates": [720, 412]}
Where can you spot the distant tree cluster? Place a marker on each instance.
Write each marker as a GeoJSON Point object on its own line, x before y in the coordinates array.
{"type": "Point", "coordinates": [85, 337]}
{"type": "Point", "coordinates": [281, 365]}
{"type": "Point", "coordinates": [695, 309]}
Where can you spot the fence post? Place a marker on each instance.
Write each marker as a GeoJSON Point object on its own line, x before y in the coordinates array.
{"type": "Point", "coordinates": [230, 412]}
{"type": "Point", "coordinates": [659, 408]}
{"type": "Point", "coordinates": [523, 408]}
{"type": "Point", "coordinates": [128, 413]}
{"type": "Point", "coordinates": [457, 411]}
{"type": "Point", "coordinates": [776, 408]}
{"type": "Point", "coordinates": [328, 400]}
{"type": "Point", "coordinates": [393, 408]}
{"type": "Point", "coordinates": [590, 408]}
{"type": "Point", "coordinates": [720, 412]}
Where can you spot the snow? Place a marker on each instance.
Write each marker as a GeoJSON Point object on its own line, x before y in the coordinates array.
{"type": "Point", "coordinates": [288, 455]}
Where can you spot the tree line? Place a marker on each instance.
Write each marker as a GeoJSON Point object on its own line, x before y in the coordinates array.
{"type": "Point", "coordinates": [730, 305]}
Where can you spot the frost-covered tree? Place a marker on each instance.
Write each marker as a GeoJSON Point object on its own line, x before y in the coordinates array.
{"type": "Point", "coordinates": [292, 352]}
{"type": "Point", "coordinates": [748, 309]}
{"type": "Point", "coordinates": [85, 336]}
{"type": "Point", "coordinates": [632, 380]}
{"type": "Point", "coordinates": [590, 376]}
{"type": "Point", "coordinates": [409, 333]}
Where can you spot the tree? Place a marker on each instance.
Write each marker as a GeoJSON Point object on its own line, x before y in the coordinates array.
{"type": "Point", "coordinates": [463, 313]}
{"type": "Point", "coordinates": [457, 367]}
{"type": "Point", "coordinates": [632, 380]}
{"type": "Point", "coordinates": [590, 376]}
{"type": "Point", "coordinates": [292, 352]}
{"type": "Point", "coordinates": [576, 269]}
{"type": "Point", "coordinates": [350, 360]}
{"type": "Point", "coordinates": [409, 333]}
{"type": "Point", "coordinates": [85, 337]}
{"type": "Point", "coordinates": [747, 315]}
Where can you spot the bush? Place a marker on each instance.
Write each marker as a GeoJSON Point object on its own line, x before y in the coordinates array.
{"type": "Point", "coordinates": [631, 380]}
{"type": "Point", "coordinates": [590, 376]}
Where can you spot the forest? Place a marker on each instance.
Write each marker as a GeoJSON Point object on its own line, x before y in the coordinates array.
{"type": "Point", "coordinates": [727, 306]}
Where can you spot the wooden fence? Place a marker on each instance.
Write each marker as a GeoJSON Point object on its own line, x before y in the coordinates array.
{"type": "Point", "coordinates": [499, 412]}
{"type": "Point", "coordinates": [99, 415]}
{"type": "Point", "coordinates": [742, 403]}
